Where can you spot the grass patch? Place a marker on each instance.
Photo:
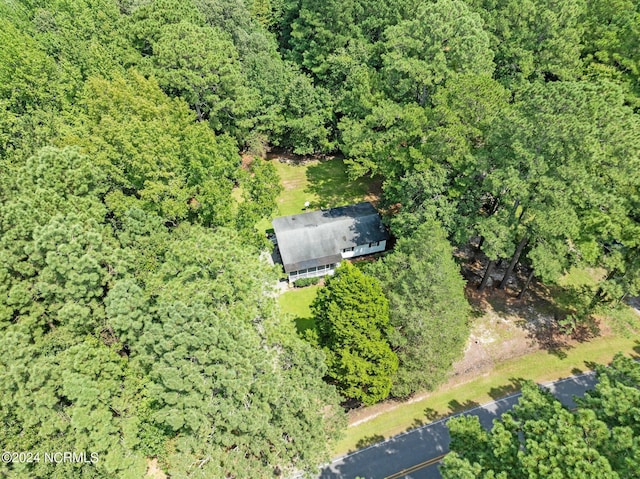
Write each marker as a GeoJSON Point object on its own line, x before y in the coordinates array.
{"type": "Point", "coordinates": [502, 380]}
{"type": "Point", "coordinates": [324, 184]}
{"type": "Point", "coordinates": [623, 319]}
{"type": "Point", "coordinates": [582, 277]}
{"type": "Point", "coordinates": [297, 303]}
{"type": "Point", "coordinates": [329, 185]}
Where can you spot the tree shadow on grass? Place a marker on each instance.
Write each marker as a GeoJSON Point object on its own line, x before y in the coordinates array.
{"type": "Point", "coordinates": [329, 181]}
{"type": "Point", "coordinates": [369, 441]}
{"type": "Point", "coordinates": [456, 406]}
{"type": "Point", "coordinates": [550, 339]}
{"type": "Point", "coordinates": [514, 385]}
{"type": "Point", "coordinates": [591, 365]}
{"type": "Point", "coordinates": [430, 415]}
{"type": "Point", "coordinates": [537, 316]}
{"type": "Point", "coordinates": [555, 336]}
{"type": "Point", "coordinates": [302, 324]}
{"type": "Point", "coordinates": [553, 317]}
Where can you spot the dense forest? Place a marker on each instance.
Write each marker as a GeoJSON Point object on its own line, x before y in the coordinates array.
{"type": "Point", "coordinates": [136, 315]}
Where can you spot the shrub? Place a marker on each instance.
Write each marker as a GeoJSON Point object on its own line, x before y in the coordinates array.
{"type": "Point", "coordinates": [301, 283]}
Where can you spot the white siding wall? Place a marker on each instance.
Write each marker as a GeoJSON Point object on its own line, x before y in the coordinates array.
{"type": "Point", "coordinates": [322, 271]}
{"type": "Point", "coordinates": [365, 249]}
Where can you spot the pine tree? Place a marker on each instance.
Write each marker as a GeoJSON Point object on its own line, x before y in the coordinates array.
{"type": "Point", "coordinates": [542, 438]}
{"type": "Point", "coordinates": [352, 325]}
{"type": "Point", "coordinates": [429, 312]}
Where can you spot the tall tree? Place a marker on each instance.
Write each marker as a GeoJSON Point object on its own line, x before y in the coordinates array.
{"type": "Point", "coordinates": [261, 188]}
{"type": "Point", "coordinates": [144, 342]}
{"type": "Point", "coordinates": [428, 309]}
{"type": "Point", "coordinates": [442, 38]}
{"type": "Point", "coordinates": [201, 66]}
{"type": "Point", "coordinates": [611, 32]}
{"type": "Point", "coordinates": [541, 438]}
{"type": "Point", "coordinates": [445, 178]}
{"type": "Point", "coordinates": [58, 259]}
{"type": "Point", "coordinates": [50, 226]}
{"type": "Point", "coordinates": [534, 39]}
{"type": "Point", "coordinates": [85, 38]}
{"type": "Point", "coordinates": [200, 325]}
{"type": "Point", "coordinates": [560, 136]}
{"type": "Point", "coordinates": [155, 156]}
{"type": "Point", "coordinates": [32, 92]}
{"type": "Point", "coordinates": [314, 42]}
{"type": "Point", "coordinates": [352, 326]}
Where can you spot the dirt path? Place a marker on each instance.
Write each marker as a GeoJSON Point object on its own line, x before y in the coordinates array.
{"type": "Point", "coordinates": [503, 328]}
{"type": "Point", "coordinates": [495, 337]}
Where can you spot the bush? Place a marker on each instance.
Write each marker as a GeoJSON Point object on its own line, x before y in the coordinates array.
{"type": "Point", "coordinates": [301, 283]}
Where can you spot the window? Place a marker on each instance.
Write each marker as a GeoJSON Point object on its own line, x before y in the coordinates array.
{"type": "Point", "coordinates": [346, 250]}
{"type": "Point", "coordinates": [373, 245]}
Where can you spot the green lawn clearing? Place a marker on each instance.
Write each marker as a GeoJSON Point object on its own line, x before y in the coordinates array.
{"type": "Point", "coordinates": [322, 183]}
{"type": "Point", "coordinates": [501, 381]}
{"type": "Point", "coordinates": [297, 302]}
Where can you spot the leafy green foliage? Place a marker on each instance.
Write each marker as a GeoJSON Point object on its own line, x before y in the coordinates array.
{"type": "Point", "coordinates": [352, 326]}
{"type": "Point", "coordinates": [156, 158]}
{"type": "Point", "coordinates": [30, 89]}
{"type": "Point", "coordinates": [261, 187]}
{"type": "Point", "coordinates": [200, 65]}
{"type": "Point", "coordinates": [236, 79]}
{"type": "Point", "coordinates": [83, 37]}
{"type": "Point", "coordinates": [541, 438]}
{"type": "Point", "coordinates": [136, 320]}
{"type": "Point", "coordinates": [428, 310]}
{"type": "Point", "coordinates": [535, 39]}
{"type": "Point", "coordinates": [130, 327]}
{"type": "Point", "coordinates": [315, 42]}
{"type": "Point", "coordinates": [442, 38]}
{"type": "Point", "coordinates": [291, 112]}
{"type": "Point", "coordinates": [562, 133]}
{"type": "Point", "coordinates": [611, 31]}
{"type": "Point", "coordinates": [68, 392]}
{"type": "Point", "coordinates": [143, 340]}
{"type": "Point", "coordinates": [61, 384]}
{"type": "Point", "coordinates": [301, 283]}
{"type": "Point", "coordinates": [52, 243]}
{"type": "Point", "coordinates": [202, 329]}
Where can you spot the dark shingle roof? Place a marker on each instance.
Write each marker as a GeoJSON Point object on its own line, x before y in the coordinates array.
{"type": "Point", "coordinates": [317, 238]}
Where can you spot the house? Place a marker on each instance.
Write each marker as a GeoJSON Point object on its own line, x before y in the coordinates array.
{"type": "Point", "coordinates": [313, 244]}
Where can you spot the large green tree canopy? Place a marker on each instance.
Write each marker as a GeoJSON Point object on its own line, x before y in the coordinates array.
{"type": "Point", "coordinates": [131, 340]}
{"type": "Point", "coordinates": [136, 318]}
{"type": "Point", "coordinates": [442, 38]}
{"type": "Point", "coordinates": [352, 327]}
{"type": "Point", "coordinates": [428, 310]}
{"type": "Point", "coordinates": [541, 438]}
{"type": "Point", "coordinates": [155, 156]}
{"type": "Point", "coordinates": [567, 157]}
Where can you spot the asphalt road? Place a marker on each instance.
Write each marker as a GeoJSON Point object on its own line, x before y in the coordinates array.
{"type": "Point", "coordinates": [416, 454]}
